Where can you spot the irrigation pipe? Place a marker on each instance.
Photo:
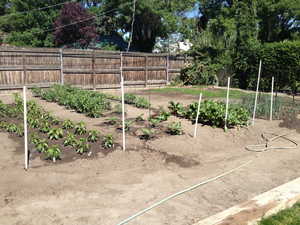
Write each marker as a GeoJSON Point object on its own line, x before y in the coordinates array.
{"type": "Point", "coordinates": [182, 192]}
{"type": "Point", "coordinates": [264, 147]}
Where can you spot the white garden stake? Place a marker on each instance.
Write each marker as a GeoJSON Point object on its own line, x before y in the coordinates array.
{"type": "Point", "coordinates": [256, 94]}
{"type": "Point", "coordinates": [123, 103]}
{"type": "Point", "coordinates": [271, 106]}
{"type": "Point", "coordinates": [197, 117]}
{"type": "Point", "coordinates": [227, 103]}
{"type": "Point", "coordinates": [25, 127]}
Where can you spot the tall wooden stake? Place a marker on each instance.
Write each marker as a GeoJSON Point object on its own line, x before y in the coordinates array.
{"type": "Point", "coordinates": [197, 117]}
{"type": "Point", "coordinates": [227, 103]}
{"type": "Point", "coordinates": [61, 67]}
{"type": "Point", "coordinates": [123, 103]}
{"type": "Point", "coordinates": [25, 127]}
{"type": "Point", "coordinates": [256, 94]}
{"type": "Point", "coordinates": [272, 95]}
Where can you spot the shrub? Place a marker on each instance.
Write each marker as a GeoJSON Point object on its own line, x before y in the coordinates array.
{"type": "Point", "coordinates": [197, 73]}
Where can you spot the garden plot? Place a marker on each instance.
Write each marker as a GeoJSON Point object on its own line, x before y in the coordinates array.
{"type": "Point", "coordinates": [112, 187]}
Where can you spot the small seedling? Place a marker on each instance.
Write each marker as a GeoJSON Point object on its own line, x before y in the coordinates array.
{"type": "Point", "coordinates": [80, 128]}
{"type": "Point", "coordinates": [41, 145]}
{"type": "Point", "coordinates": [53, 153]}
{"type": "Point", "coordinates": [147, 133]}
{"type": "Point", "coordinates": [139, 118]}
{"type": "Point", "coordinates": [45, 127]}
{"type": "Point", "coordinates": [112, 121]}
{"type": "Point", "coordinates": [68, 124]}
{"type": "Point", "coordinates": [55, 133]}
{"type": "Point", "coordinates": [175, 128]}
{"type": "Point", "coordinates": [93, 136]}
{"type": "Point", "coordinates": [82, 146]}
{"type": "Point", "coordinates": [108, 141]}
{"type": "Point", "coordinates": [70, 140]}
{"type": "Point", "coordinates": [154, 122]}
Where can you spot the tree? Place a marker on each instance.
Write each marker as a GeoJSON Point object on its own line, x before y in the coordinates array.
{"type": "Point", "coordinates": [74, 25]}
{"type": "Point", "coordinates": [278, 20]}
{"type": "Point", "coordinates": [26, 25]}
{"type": "Point", "coordinates": [153, 19]}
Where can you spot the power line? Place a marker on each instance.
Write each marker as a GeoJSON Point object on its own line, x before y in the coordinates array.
{"type": "Point", "coordinates": [132, 24]}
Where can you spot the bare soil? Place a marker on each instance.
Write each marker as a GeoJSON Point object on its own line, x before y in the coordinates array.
{"type": "Point", "coordinates": [109, 188]}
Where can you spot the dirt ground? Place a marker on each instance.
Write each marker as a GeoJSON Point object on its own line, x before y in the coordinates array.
{"type": "Point", "coordinates": [107, 189]}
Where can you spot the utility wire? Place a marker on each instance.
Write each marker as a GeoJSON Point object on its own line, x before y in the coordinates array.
{"type": "Point", "coordinates": [132, 24]}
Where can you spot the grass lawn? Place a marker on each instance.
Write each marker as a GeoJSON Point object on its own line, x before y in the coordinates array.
{"type": "Point", "coordinates": [216, 93]}
{"type": "Point", "coordinates": [285, 217]}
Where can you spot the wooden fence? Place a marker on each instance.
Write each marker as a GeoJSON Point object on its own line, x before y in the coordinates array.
{"type": "Point", "coordinates": [85, 68]}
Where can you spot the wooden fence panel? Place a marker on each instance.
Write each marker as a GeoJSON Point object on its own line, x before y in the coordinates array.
{"type": "Point", "coordinates": [84, 68]}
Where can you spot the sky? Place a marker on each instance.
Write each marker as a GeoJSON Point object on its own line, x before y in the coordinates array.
{"type": "Point", "coordinates": [194, 12]}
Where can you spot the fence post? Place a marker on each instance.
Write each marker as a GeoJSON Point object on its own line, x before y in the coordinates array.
{"type": "Point", "coordinates": [256, 94]}
{"type": "Point", "coordinates": [271, 105]}
{"type": "Point", "coordinates": [24, 76]}
{"type": "Point", "coordinates": [146, 71]}
{"type": "Point", "coordinates": [61, 67]}
{"type": "Point", "coordinates": [25, 127]}
{"type": "Point", "coordinates": [93, 70]}
{"type": "Point", "coordinates": [167, 69]}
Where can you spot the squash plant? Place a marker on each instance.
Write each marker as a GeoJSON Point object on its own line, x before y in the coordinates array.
{"type": "Point", "coordinates": [147, 134]}
{"type": "Point", "coordinates": [41, 145]}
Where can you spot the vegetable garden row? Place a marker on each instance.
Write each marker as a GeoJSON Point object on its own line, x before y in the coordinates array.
{"type": "Point", "coordinates": [55, 138]}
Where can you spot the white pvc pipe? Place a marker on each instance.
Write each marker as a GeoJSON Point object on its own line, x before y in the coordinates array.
{"type": "Point", "coordinates": [256, 94]}
{"type": "Point", "coordinates": [197, 117]}
{"type": "Point", "coordinates": [25, 127]}
{"type": "Point", "coordinates": [271, 105]}
{"type": "Point", "coordinates": [123, 103]}
{"type": "Point", "coordinates": [227, 103]}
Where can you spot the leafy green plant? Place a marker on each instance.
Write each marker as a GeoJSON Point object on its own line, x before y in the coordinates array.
{"type": "Point", "coordinates": [176, 109]}
{"type": "Point", "coordinates": [128, 124]}
{"type": "Point", "coordinates": [80, 128]}
{"type": "Point", "coordinates": [147, 134]}
{"type": "Point", "coordinates": [44, 127]}
{"type": "Point", "coordinates": [20, 131]}
{"type": "Point", "coordinates": [118, 109]}
{"type": "Point", "coordinates": [11, 128]}
{"type": "Point", "coordinates": [55, 133]}
{"type": "Point", "coordinates": [141, 103]}
{"type": "Point", "coordinates": [175, 128]}
{"type": "Point", "coordinates": [70, 140]}
{"type": "Point", "coordinates": [41, 145]}
{"type": "Point", "coordinates": [112, 121]}
{"type": "Point", "coordinates": [93, 136]}
{"type": "Point", "coordinates": [53, 153]}
{"type": "Point", "coordinates": [82, 146]}
{"type": "Point", "coordinates": [153, 122]}
{"type": "Point", "coordinates": [33, 122]}
{"type": "Point", "coordinates": [34, 138]}
{"type": "Point", "coordinates": [108, 141]}
{"type": "Point", "coordinates": [139, 118]}
{"type": "Point", "coordinates": [68, 124]}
